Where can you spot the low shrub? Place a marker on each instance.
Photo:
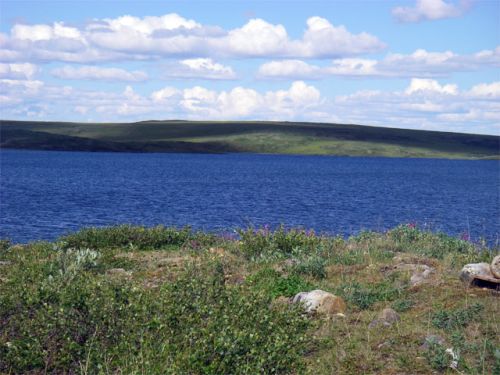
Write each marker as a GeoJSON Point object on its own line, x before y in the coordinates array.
{"type": "Point", "coordinates": [87, 323]}
{"type": "Point", "coordinates": [364, 296]}
{"type": "Point", "coordinates": [314, 266]}
{"type": "Point", "coordinates": [133, 237]}
{"type": "Point", "coordinates": [273, 284]}
{"type": "Point", "coordinates": [456, 318]}
{"type": "Point", "coordinates": [258, 242]}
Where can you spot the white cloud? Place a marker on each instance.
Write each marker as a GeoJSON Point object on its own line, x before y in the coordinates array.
{"type": "Point", "coordinates": [200, 68]}
{"type": "Point", "coordinates": [422, 104]}
{"type": "Point", "coordinates": [98, 73]}
{"type": "Point", "coordinates": [16, 71]}
{"type": "Point", "coordinates": [164, 94]}
{"type": "Point", "coordinates": [420, 63]}
{"type": "Point", "coordinates": [36, 33]}
{"type": "Point", "coordinates": [420, 85]}
{"type": "Point", "coordinates": [294, 69]}
{"type": "Point", "coordinates": [170, 35]}
{"type": "Point", "coordinates": [431, 10]}
{"type": "Point", "coordinates": [486, 90]}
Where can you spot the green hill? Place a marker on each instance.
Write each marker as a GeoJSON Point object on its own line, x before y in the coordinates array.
{"type": "Point", "coordinates": [247, 136]}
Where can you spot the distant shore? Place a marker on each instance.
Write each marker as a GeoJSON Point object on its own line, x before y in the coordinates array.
{"type": "Point", "coordinates": [263, 137]}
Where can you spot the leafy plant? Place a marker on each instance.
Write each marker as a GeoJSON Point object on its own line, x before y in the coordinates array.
{"type": "Point", "coordinates": [313, 266]}
{"type": "Point", "coordinates": [461, 317]}
{"type": "Point", "coordinates": [364, 296]}
{"type": "Point", "coordinates": [258, 242]}
{"type": "Point", "coordinates": [273, 284]}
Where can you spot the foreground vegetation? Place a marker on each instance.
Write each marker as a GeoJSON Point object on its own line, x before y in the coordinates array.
{"type": "Point", "coordinates": [164, 300]}
{"type": "Point", "coordinates": [257, 137]}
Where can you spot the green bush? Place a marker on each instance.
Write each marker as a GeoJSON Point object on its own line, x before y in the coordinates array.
{"type": "Point", "coordinates": [409, 238]}
{"type": "Point", "coordinates": [258, 242]}
{"type": "Point", "coordinates": [59, 315]}
{"type": "Point", "coordinates": [273, 284]}
{"type": "Point", "coordinates": [128, 236]}
{"type": "Point", "coordinates": [215, 329]}
{"type": "Point", "coordinates": [457, 318]}
{"type": "Point", "coordinates": [4, 244]}
{"type": "Point", "coordinates": [313, 266]}
{"type": "Point", "coordinates": [402, 305]}
{"type": "Point", "coordinates": [364, 296]}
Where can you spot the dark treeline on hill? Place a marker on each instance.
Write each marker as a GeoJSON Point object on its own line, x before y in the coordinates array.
{"type": "Point", "coordinates": [247, 136]}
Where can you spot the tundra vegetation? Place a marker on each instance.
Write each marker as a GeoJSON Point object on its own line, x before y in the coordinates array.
{"type": "Point", "coordinates": [266, 137]}
{"type": "Point", "coordinates": [161, 300]}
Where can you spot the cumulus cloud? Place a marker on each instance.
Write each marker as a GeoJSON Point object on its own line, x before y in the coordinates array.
{"type": "Point", "coordinates": [18, 71]}
{"type": "Point", "coordinates": [98, 73]}
{"type": "Point", "coordinates": [422, 104]}
{"type": "Point", "coordinates": [171, 35]}
{"type": "Point", "coordinates": [200, 68]}
{"type": "Point", "coordinates": [420, 63]}
{"type": "Point", "coordinates": [422, 86]}
{"type": "Point", "coordinates": [431, 10]}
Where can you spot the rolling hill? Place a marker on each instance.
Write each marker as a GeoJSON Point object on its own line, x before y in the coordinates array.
{"type": "Point", "coordinates": [247, 136]}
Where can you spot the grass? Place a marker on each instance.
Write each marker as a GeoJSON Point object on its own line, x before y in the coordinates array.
{"type": "Point", "coordinates": [246, 136]}
{"type": "Point", "coordinates": [169, 300]}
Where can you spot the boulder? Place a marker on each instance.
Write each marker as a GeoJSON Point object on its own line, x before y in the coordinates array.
{"type": "Point", "coordinates": [495, 266]}
{"type": "Point", "coordinates": [320, 302]}
{"type": "Point", "coordinates": [469, 271]}
{"type": "Point", "coordinates": [387, 317]}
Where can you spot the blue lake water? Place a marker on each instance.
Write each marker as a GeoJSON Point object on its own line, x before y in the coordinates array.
{"type": "Point", "coordinates": [46, 194]}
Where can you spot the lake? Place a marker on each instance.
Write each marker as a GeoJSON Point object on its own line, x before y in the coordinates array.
{"type": "Point", "coordinates": [45, 194]}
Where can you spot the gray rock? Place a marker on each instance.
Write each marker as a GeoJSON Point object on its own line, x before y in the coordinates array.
{"type": "Point", "coordinates": [5, 263]}
{"type": "Point", "coordinates": [387, 317]}
{"type": "Point", "coordinates": [432, 339]}
{"type": "Point", "coordinates": [420, 275]}
{"type": "Point", "coordinates": [472, 269]}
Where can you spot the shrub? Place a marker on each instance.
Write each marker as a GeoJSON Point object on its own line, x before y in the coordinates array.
{"type": "Point", "coordinates": [215, 329]}
{"type": "Point", "coordinates": [133, 237]}
{"type": "Point", "coordinates": [402, 305]}
{"type": "Point", "coordinates": [457, 318]}
{"type": "Point", "coordinates": [365, 296]}
{"type": "Point", "coordinates": [258, 242]}
{"type": "Point", "coordinates": [50, 322]}
{"type": "Point", "coordinates": [313, 266]}
{"type": "Point", "coordinates": [273, 284]}
{"type": "Point", "coordinates": [4, 244]}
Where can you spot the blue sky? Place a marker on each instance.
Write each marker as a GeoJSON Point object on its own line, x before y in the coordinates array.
{"type": "Point", "coordinates": [421, 64]}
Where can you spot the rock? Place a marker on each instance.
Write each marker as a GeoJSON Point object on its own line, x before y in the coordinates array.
{"type": "Point", "coordinates": [421, 274]}
{"type": "Point", "coordinates": [5, 263]}
{"type": "Point", "coordinates": [432, 339]}
{"type": "Point", "coordinates": [472, 269]}
{"type": "Point", "coordinates": [387, 317]}
{"type": "Point", "coordinates": [321, 302]}
{"type": "Point", "coordinates": [495, 266]}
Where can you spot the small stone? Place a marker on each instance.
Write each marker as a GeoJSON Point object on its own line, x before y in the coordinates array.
{"type": "Point", "coordinates": [386, 317]}
{"type": "Point", "coordinates": [321, 302]}
{"type": "Point", "coordinates": [432, 339]}
{"type": "Point", "coordinates": [5, 263]}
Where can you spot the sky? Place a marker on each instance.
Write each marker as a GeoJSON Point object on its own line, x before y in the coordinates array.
{"type": "Point", "coordinates": [417, 64]}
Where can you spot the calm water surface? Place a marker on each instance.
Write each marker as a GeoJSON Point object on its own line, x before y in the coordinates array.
{"type": "Point", "coordinates": [46, 194]}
